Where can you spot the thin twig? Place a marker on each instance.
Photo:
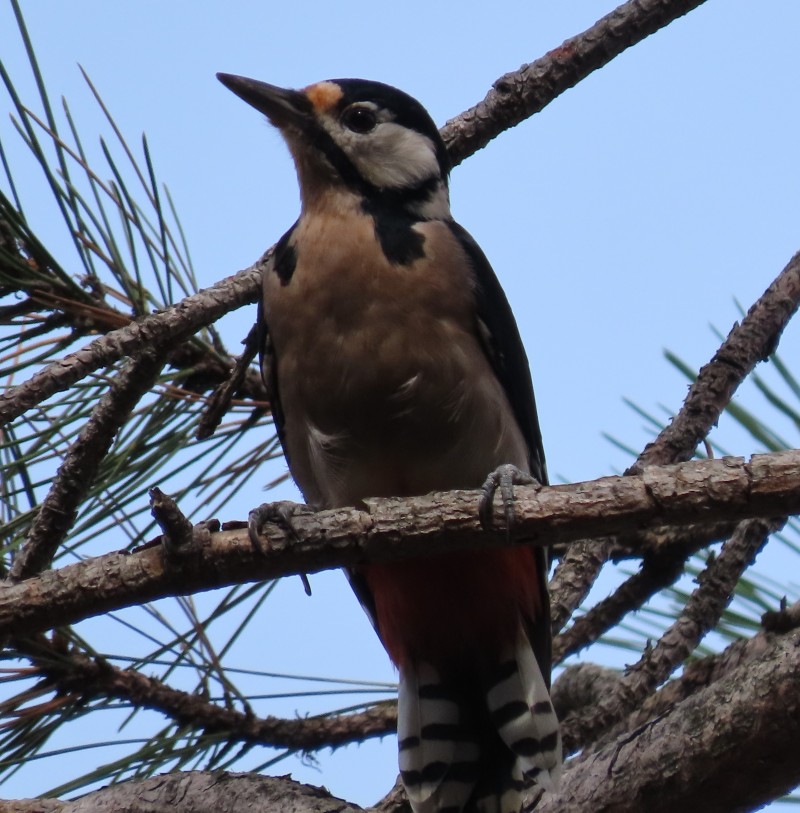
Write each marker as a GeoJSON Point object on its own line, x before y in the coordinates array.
{"type": "Point", "coordinates": [749, 342]}
{"type": "Point", "coordinates": [522, 93]}
{"type": "Point", "coordinates": [77, 473]}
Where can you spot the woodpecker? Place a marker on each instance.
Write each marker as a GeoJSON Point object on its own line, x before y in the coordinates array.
{"type": "Point", "coordinates": [395, 368]}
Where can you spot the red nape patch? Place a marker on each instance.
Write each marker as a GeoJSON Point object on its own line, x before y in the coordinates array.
{"type": "Point", "coordinates": [445, 608]}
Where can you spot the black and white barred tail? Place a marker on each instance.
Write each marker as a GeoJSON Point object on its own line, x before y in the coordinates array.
{"type": "Point", "coordinates": [474, 746]}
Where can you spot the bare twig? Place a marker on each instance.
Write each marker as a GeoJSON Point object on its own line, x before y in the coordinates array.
{"type": "Point", "coordinates": [663, 552]}
{"type": "Point", "coordinates": [701, 614]}
{"type": "Point", "coordinates": [159, 331]}
{"type": "Point", "coordinates": [77, 474]}
{"type": "Point", "coordinates": [220, 400]}
{"type": "Point", "coordinates": [522, 93]}
{"type": "Point", "coordinates": [606, 614]}
{"type": "Point", "coordinates": [176, 530]}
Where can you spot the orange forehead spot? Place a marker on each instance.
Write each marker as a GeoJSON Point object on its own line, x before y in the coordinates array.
{"type": "Point", "coordinates": [324, 95]}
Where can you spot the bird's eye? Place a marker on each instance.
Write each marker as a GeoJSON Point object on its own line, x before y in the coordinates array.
{"type": "Point", "coordinates": [359, 119]}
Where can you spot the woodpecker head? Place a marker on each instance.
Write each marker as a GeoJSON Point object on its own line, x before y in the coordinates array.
{"type": "Point", "coordinates": [365, 137]}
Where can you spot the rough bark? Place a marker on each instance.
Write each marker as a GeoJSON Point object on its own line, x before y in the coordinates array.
{"type": "Point", "coordinates": [728, 748]}
{"type": "Point", "coordinates": [393, 529]}
{"type": "Point", "coordinates": [198, 792]}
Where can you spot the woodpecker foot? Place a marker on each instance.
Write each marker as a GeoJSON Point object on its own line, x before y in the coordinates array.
{"type": "Point", "coordinates": [281, 513]}
{"type": "Point", "coordinates": [502, 479]}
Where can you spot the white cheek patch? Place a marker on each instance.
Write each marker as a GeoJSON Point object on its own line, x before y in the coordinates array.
{"type": "Point", "coordinates": [391, 156]}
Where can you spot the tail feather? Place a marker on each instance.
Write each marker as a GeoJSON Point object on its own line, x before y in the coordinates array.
{"type": "Point", "coordinates": [474, 748]}
{"type": "Point", "coordinates": [439, 755]}
{"type": "Point", "coordinates": [520, 706]}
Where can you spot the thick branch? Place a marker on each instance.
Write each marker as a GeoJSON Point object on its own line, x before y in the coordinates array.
{"type": "Point", "coordinates": [195, 792]}
{"type": "Point", "coordinates": [699, 756]}
{"type": "Point", "coordinates": [393, 529]}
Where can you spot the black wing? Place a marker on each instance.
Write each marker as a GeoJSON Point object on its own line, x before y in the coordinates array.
{"type": "Point", "coordinates": [504, 349]}
{"type": "Point", "coordinates": [281, 263]}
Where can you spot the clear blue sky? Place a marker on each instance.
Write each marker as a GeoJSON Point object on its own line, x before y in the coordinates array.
{"type": "Point", "coordinates": [624, 219]}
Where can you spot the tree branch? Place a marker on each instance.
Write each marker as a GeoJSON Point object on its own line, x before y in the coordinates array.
{"type": "Point", "coordinates": [195, 792]}
{"type": "Point", "coordinates": [393, 529]}
{"type": "Point", "coordinates": [700, 754]}
{"type": "Point", "coordinates": [700, 673]}
{"type": "Point", "coordinates": [80, 676]}
{"type": "Point", "coordinates": [77, 473]}
{"type": "Point", "coordinates": [161, 332]}
{"type": "Point", "coordinates": [748, 343]}
{"type": "Point", "coordinates": [754, 710]}
{"type": "Point", "coordinates": [700, 615]}
{"type": "Point", "coordinates": [522, 93]}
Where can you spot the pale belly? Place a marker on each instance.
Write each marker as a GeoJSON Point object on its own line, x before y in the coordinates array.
{"type": "Point", "coordinates": [381, 416]}
{"type": "Point", "coordinates": [385, 387]}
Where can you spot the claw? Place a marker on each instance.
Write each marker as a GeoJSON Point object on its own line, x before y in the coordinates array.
{"type": "Point", "coordinates": [502, 479]}
{"type": "Point", "coordinates": [281, 513]}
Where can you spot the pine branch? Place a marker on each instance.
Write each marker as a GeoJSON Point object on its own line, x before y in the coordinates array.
{"type": "Point", "coordinates": [750, 716]}
{"type": "Point", "coordinates": [749, 342]}
{"type": "Point", "coordinates": [700, 673]}
{"type": "Point", "coordinates": [393, 529]}
{"type": "Point", "coordinates": [522, 93]}
{"type": "Point", "coordinates": [700, 615]}
{"type": "Point", "coordinates": [755, 709]}
{"type": "Point", "coordinates": [79, 469]}
{"type": "Point", "coordinates": [80, 677]}
{"type": "Point", "coordinates": [161, 332]}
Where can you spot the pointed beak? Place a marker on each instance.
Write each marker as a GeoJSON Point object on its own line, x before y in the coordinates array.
{"type": "Point", "coordinates": [284, 108]}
